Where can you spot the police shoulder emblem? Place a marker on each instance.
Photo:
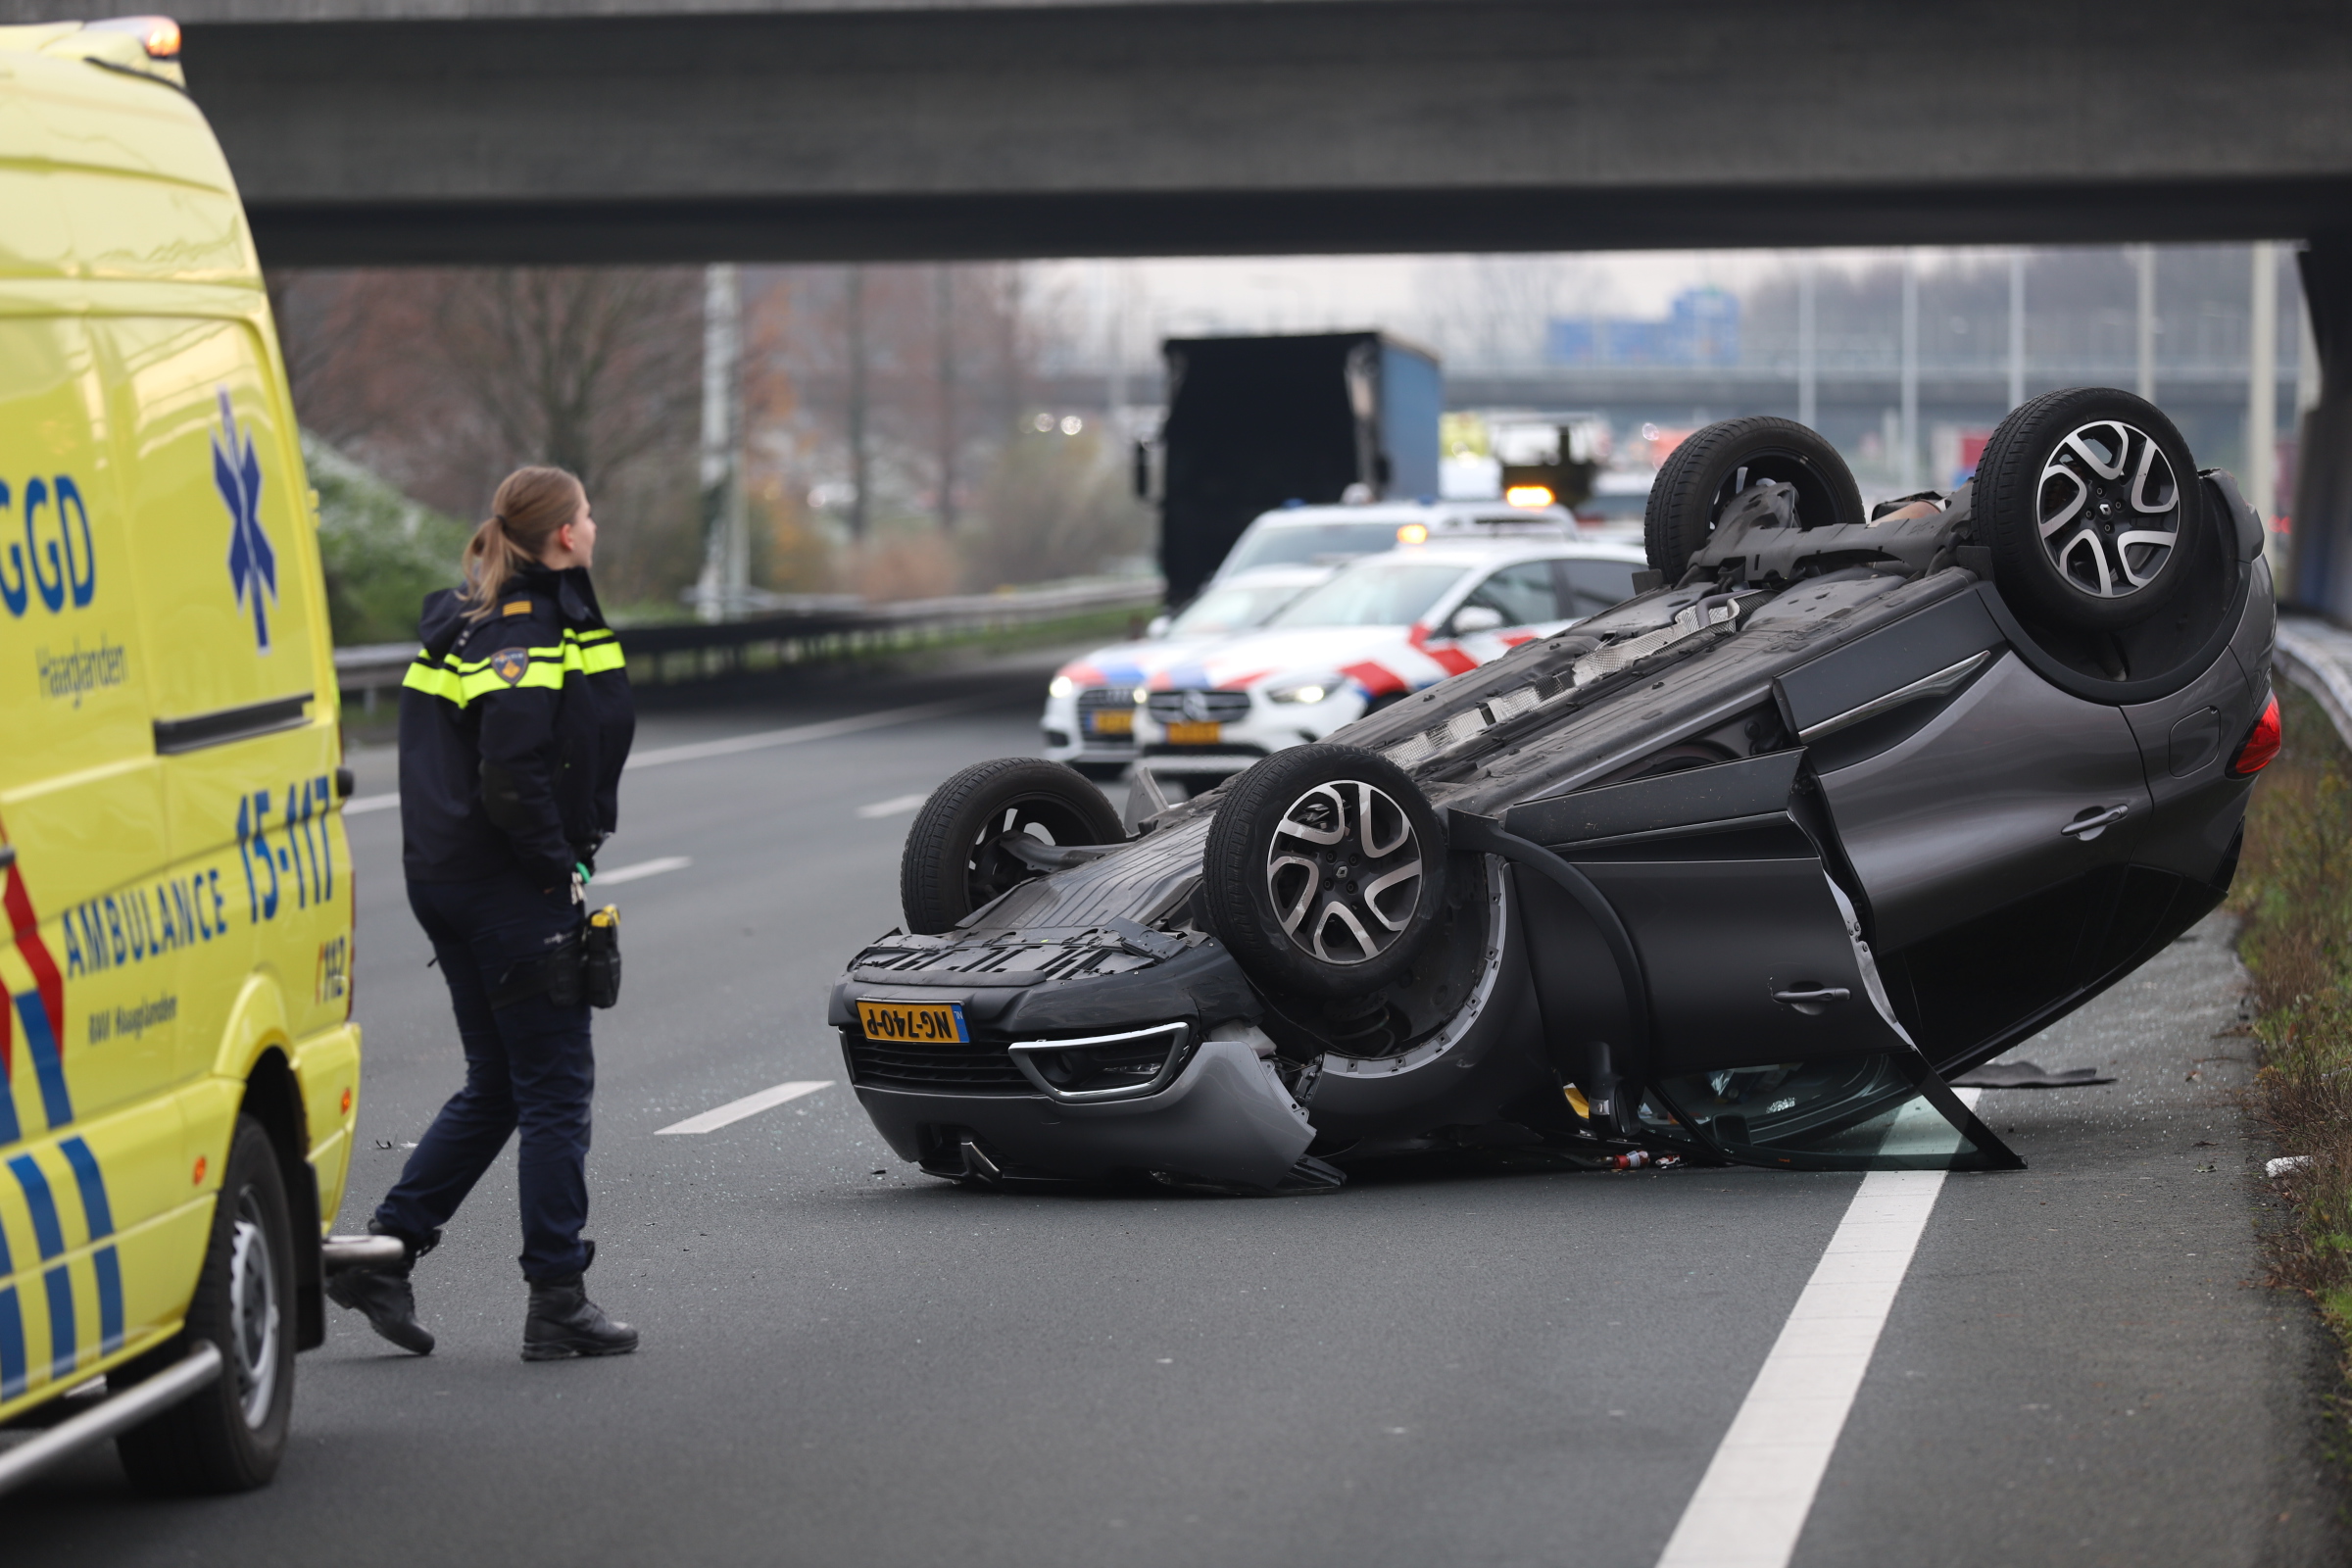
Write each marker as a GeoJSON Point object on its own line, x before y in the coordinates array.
{"type": "Point", "coordinates": [509, 664]}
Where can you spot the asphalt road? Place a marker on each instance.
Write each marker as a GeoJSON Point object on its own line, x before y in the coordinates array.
{"type": "Point", "coordinates": [846, 1362]}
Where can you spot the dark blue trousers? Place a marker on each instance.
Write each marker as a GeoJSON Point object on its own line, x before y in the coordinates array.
{"type": "Point", "coordinates": [528, 1064]}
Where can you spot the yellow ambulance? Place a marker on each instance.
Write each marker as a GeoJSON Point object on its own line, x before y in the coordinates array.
{"type": "Point", "coordinates": [177, 1061]}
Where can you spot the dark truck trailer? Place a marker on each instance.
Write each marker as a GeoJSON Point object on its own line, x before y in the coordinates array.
{"type": "Point", "coordinates": [1255, 421]}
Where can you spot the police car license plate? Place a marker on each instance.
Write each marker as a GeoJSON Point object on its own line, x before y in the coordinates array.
{"type": "Point", "coordinates": [921, 1023]}
{"type": "Point", "coordinates": [1183, 734]}
{"type": "Point", "coordinates": [1110, 721]}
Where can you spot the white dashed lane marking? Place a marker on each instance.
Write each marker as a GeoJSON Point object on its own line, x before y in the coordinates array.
{"type": "Point", "coordinates": [734, 1110]}
{"type": "Point", "coordinates": [641, 869]}
{"type": "Point", "coordinates": [896, 806]}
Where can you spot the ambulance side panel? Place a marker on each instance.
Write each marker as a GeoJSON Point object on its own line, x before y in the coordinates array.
{"type": "Point", "coordinates": [177, 891]}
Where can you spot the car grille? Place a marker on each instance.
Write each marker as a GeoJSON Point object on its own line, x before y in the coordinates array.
{"type": "Point", "coordinates": [1105, 700]}
{"type": "Point", "coordinates": [1213, 708]}
{"type": "Point", "coordinates": [974, 1070]}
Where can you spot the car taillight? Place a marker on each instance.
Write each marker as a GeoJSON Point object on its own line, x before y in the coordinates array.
{"type": "Point", "coordinates": [2260, 745]}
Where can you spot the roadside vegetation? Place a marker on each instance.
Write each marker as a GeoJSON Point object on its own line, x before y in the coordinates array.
{"type": "Point", "coordinates": [2294, 888]}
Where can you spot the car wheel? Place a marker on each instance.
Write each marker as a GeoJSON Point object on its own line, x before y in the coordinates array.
{"type": "Point", "coordinates": [958, 856]}
{"type": "Point", "coordinates": [1704, 475]}
{"type": "Point", "coordinates": [2091, 503]}
{"type": "Point", "coordinates": [229, 1436]}
{"type": "Point", "coordinates": [1324, 871]}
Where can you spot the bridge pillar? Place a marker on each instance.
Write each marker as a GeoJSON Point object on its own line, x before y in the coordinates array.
{"type": "Point", "coordinates": [2322, 575]}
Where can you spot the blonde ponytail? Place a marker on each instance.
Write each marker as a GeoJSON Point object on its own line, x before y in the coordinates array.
{"type": "Point", "coordinates": [531, 507]}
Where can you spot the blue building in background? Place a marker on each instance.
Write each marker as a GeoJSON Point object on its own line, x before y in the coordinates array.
{"type": "Point", "coordinates": [1701, 328]}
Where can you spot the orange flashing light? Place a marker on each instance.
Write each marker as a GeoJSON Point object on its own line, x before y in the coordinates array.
{"type": "Point", "coordinates": [1412, 533]}
{"type": "Point", "coordinates": [1529, 494]}
{"type": "Point", "coordinates": [158, 35]}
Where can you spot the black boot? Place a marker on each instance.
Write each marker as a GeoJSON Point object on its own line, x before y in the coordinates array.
{"type": "Point", "coordinates": [563, 1322]}
{"type": "Point", "coordinates": [386, 1297]}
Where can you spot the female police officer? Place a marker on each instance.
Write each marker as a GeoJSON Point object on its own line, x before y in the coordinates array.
{"type": "Point", "coordinates": [515, 722]}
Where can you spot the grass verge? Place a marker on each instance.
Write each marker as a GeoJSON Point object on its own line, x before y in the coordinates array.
{"type": "Point", "coordinates": [2294, 889]}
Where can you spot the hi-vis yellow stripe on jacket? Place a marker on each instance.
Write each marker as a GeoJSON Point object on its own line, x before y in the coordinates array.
{"type": "Point", "coordinates": [513, 731]}
{"type": "Point", "coordinates": [461, 680]}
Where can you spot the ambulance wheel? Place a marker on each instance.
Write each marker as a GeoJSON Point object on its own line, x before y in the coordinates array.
{"type": "Point", "coordinates": [1325, 870]}
{"type": "Point", "coordinates": [1706, 473]}
{"type": "Point", "coordinates": [230, 1434]}
{"type": "Point", "coordinates": [961, 852]}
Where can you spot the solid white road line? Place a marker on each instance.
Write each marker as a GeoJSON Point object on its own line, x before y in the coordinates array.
{"type": "Point", "coordinates": [896, 806]}
{"type": "Point", "coordinates": [1751, 1504]}
{"type": "Point", "coordinates": [364, 804]}
{"type": "Point", "coordinates": [710, 1121]}
{"type": "Point", "coordinates": [762, 740]}
{"type": "Point", "coordinates": [643, 868]}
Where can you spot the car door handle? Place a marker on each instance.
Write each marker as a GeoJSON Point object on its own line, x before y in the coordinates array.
{"type": "Point", "coordinates": [1812, 996]}
{"type": "Point", "coordinates": [2093, 823]}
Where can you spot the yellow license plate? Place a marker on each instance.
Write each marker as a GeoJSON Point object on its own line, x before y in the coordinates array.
{"type": "Point", "coordinates": [1110, 721]}
{"type": "Point", "coordinates": [1181, 734]}
{"type": "Point", "coordinates": [917, 1023]}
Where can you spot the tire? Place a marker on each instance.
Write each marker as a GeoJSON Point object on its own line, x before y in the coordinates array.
{"type": "Point", "coordinates": [1291, 835]}
{"type": "Point", "coordinates": [1702, 476]}
{"type": "Point", "coordinates": [2072, 542]}
{"type": "Point", "coordinates": [953, 865]}
{"type": "Point", "coordinates": [230, 1435]}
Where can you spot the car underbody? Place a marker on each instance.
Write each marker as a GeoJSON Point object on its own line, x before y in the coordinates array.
{"type": "Point", "coordinates": [1743, 870]}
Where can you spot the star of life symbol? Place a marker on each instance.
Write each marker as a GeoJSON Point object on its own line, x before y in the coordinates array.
{"type": "Point", "coordinates": [251, 562]}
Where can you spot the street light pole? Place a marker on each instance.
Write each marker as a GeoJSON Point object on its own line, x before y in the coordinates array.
{"type": "Point", "coordinates": [2144, 262]}
{"type": "Point", "coordinates": [2017, 327]}
{"type": "Point", "coordinates": [726, 547]}
{"type": "Point", "coordinates": [2262, 386]}
{"type": "Point", "coordinates": [1807, 365]}
{"type": "Point", "coordinates": [1907, 465]}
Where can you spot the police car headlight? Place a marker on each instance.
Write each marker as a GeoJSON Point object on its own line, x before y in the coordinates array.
{"type": "Point", "coordinates": [1305, 693]}
{"type": "Point", "coordinates": [1119, 1066]}
{"type": "Point", "coordinates": [1062, 686]}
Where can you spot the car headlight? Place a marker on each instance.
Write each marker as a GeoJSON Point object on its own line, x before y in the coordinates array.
{"type": "Point", "coordinates": [1062, 686]}
{"type": "Point", "coordinates": [1304, 692]}
{"type": "Point", "coordinates": [1120, 1067]}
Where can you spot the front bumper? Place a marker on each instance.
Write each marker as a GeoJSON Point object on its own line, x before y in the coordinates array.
{"type": "Point", "coordinates": [1226, 1119]}
{"type": "Point", "coordinates": [1267, 727]}
{"type": "Point", "coordinates": [1068, 738]}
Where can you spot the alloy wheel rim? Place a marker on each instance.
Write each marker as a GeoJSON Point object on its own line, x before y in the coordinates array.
{"type": "Point", "coordinates": [253, 1312]}
{"type": "Point", "coordinates": [1345, 871]}
{"type": "Point", "coordinates": [2108, 507]}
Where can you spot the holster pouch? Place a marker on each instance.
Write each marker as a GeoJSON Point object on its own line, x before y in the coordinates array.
{"type": "Point", "coordinates": [599, 958]}
{"type": "Point", "coordinates": [556, 976]}
{"type": "Point", "coordinates": [585, 968]}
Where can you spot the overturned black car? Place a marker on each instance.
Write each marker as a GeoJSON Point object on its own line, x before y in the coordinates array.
{"type": "Point", "coordinates": [1744, 869]}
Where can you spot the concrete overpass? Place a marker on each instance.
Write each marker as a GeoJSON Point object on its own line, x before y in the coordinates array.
{"type": "Point", "coordinates": [611, 130]}
{"type": "Point", "coordinates": [372, 131]}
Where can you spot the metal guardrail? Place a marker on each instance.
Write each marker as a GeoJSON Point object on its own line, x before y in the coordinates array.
{"type": "Point", "coordinates": [2317, 657]}
{"type": "Point", "coordinates": [824, 632]}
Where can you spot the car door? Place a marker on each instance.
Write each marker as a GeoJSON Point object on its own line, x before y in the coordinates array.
{"type": "Point", "coordinates": [1988, 819]}
{"type": "Point", "coordinates": [1768, 1034]}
